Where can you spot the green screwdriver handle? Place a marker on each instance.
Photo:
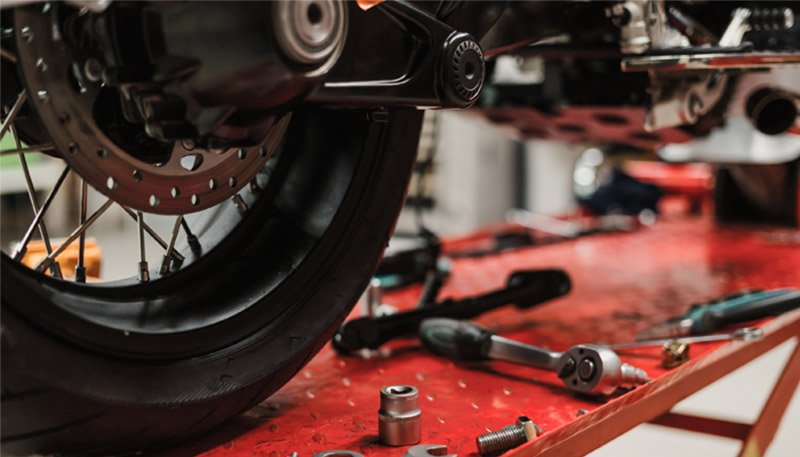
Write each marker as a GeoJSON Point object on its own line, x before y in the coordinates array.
{"type": "Point", "coordinates": [747, 307]}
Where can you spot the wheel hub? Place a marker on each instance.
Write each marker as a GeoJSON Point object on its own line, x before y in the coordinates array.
{"type": "Point", "coordinates": [184, 179]}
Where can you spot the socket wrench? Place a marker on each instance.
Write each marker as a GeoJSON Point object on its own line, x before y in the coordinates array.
{"type": "Point", "coordinates": [585, 369]}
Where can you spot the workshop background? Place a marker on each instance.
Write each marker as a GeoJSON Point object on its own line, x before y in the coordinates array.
{"type": "Point", "coordinates": [481, 170]}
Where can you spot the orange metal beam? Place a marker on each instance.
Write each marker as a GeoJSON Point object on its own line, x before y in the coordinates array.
{"type": "Point", "coordinates": [763, 431]}
{"type": "Point", "coordinates": [644, 404]}
{"type": "Point", "coordinates": [717, 427]}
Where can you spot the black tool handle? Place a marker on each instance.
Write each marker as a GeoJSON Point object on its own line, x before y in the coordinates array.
{"type": "Point", "coordinates": [455, 339]}
{"type": "Point", "coordinates": [714, 320]}
{"type": "Point", "coordinates": [524, 289]}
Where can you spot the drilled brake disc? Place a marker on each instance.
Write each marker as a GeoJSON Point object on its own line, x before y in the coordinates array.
{"type": "Point", "coordinates": [188, 180]}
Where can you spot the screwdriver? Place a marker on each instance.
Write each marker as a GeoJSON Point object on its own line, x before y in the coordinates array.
{"type": "Point", "coordinates": [739, 307]}
{"type": "Point", "coordinates": [744, 334]}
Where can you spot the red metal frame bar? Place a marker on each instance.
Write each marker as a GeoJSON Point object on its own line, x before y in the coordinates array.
{"type": "Point", "coordinates": [763, 431]}
{"type": "Point", "coordinates": [644, 404]}
{"type": "Point", "coordinates": [717, 427]}
{"type": "Point", "coordinates": [757, 437]}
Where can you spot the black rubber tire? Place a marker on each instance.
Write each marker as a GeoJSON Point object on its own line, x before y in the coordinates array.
{"type": "Point", "coordinates": [62, 395]}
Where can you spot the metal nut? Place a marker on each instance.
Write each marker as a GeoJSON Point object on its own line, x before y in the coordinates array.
{"type": "Point", "coordinates": [674, 354]}
{"type": "Point", "coordinates": [399, 417]}
{"type": "Point", "coordinates": [529, 427]}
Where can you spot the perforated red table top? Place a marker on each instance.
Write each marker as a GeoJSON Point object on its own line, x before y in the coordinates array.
{"type": "Point", "coordinates": [621, 284]}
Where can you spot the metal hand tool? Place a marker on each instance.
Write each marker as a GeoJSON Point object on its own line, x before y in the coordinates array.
{"type": "Point", "coordinates": [587, 369]}
{"type": "Point", "coordinates": [740, 307]}
{"type": "Point", "coordinates": [745, 334]}
{"type": "Point", "coordinates": [339, 453]}
{"type": "Point", "coordinates": [509, 437]}
{"type": "Point", "coordinates": [399, 419]}
{"type": "Point", "coordinates": [430, 289]}
{"type": "Point", "coordinates": [524, 289]}
{"type": "Point", "coordinates": [428, 450]}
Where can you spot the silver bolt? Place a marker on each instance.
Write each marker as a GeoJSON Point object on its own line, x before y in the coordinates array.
{"type": "Point", "coordinates": [508, 437]}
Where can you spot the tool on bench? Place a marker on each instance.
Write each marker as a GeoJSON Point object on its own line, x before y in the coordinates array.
{"type": "Point", "coordinates": [524, 289]}
{"type": "Point", "coordinates": [399, 419]}
{"type": "Point", "coordinates": [733, 309]}
{"type": "Point", "coordinates": [744, 334]}
{"type": "Point", "coordinates": [428, 450]}
{"type": "Point", "coordinates": [430, 289]}
{"type": "Point", "coordinates": [339, 453]}
{"type": "Point", "coordinates": [587, 369]}
{"type": "Point", "coordinates": [674, 354]}
{"type": "Point", "coordinates": [509, 437]}
{"type": "Point", "coordinates": [675, 351]}
{"type": "Point", "coordinates": [408, 260]}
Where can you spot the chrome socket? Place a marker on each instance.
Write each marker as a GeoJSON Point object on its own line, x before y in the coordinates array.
{"type": "Point", "coordinates": [399, 417]}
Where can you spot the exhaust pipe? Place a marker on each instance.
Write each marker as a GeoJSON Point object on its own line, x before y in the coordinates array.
{"type": "Point", "coordinates": [772, 111]}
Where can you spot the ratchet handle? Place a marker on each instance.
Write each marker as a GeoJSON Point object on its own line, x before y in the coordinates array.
{"type": "Point", "coordinates": [773, 305]}
{"type": "Point", "coordinates": [524, 289]}
{"type": "Point", "coordinates": [455, 339]}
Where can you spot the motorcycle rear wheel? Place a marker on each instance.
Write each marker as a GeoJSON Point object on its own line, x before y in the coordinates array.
{"type": "Point", "coordinates": [126, 367]}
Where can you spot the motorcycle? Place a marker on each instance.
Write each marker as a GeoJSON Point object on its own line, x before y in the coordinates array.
{"type": "Point", "coordinates": [277, 138]}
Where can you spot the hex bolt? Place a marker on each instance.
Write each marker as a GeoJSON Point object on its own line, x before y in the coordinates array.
{"type": "Point", "coordinates": [508, 437]}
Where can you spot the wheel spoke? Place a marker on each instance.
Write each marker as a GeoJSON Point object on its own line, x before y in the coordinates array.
{"type": "Point", "coordinates": [167, 260]}
{"type": "Point", "coordinates": [55, 269]}
{"type": "Point", "coordinates": [80, 268]}
{"type": "Point", "coordinates": [12, 114]}
{"type": "Point", "coordinates": [175, 254]}
{"type": "Point", "coordinates": [144, 270]}
{"type": "Point", "coordinates": [23, 246]}
{"type": "Point", "coordinates": [74, 236]}
{"type": "Point", "coordinates": [194, 243]}
{"type": "Point", "coordinates": [34, 148]}
{"type": "Point", "coordinates": [240, 204]}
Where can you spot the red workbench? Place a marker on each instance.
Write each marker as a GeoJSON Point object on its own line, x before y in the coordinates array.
{"type": "Point", "coordinates": [621, 283]}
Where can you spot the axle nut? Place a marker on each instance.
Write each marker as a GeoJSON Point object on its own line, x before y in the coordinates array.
{"type": "Point", "coordinates": [464, 69]}
{"type": "Point", "coordinates": [399, 416]}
